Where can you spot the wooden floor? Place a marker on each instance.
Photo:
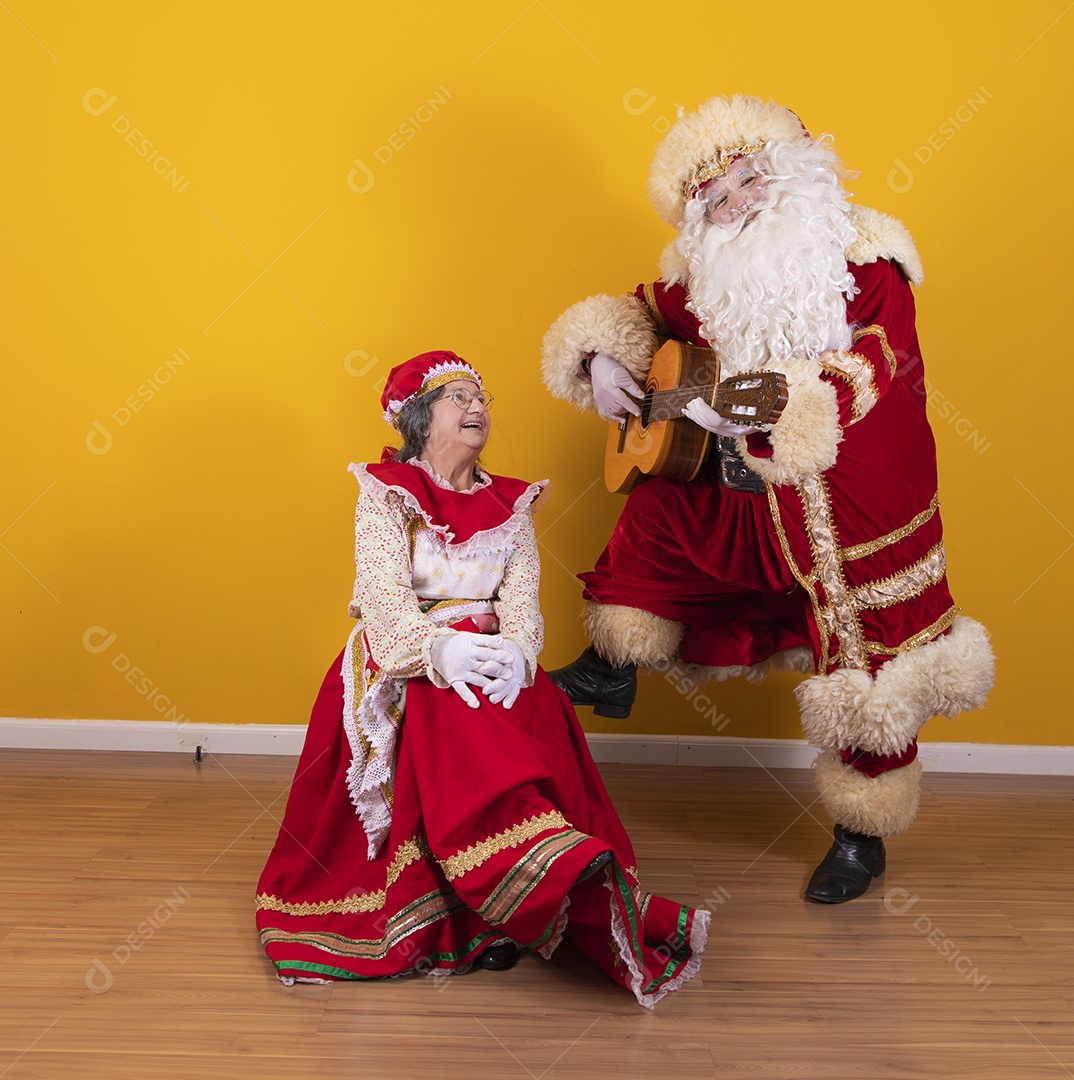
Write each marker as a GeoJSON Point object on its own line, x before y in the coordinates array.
{"type": "Point", "coordinates": [128, 948]}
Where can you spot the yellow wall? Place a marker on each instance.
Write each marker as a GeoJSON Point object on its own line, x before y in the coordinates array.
{"type": "Point", "coordinates": [343, 185]}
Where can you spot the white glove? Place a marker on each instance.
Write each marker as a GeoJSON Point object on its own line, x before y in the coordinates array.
{"type": "Point", "coordinates": [459, 658]}
{"type": "Point", "coordinates": [613, 387]}
{"type": "Point", "coordinates": [507, 678]}
{"type": "Point", "coordinates": [705, 416]}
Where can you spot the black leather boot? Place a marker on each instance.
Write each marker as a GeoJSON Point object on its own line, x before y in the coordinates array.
{"type": "Point", "coordinates": [598, 863]}
{"type": "Point", "coordinates": [599, 684]}
{"type": "Point", "coordinates": [499, 957]}
{"type": "Point", "coordinates": [848, 868]}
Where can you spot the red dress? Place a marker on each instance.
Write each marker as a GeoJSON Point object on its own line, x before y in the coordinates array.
{"type": "Point", "coordinates": [477, 830]}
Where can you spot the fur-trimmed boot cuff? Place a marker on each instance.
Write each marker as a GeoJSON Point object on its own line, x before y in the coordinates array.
{"type": "Point", "coordinates": [628, 635]}
{"type": "Point", "coordinates": [883, 805]}
{"type": "Point", "coordinates": [884, 712]}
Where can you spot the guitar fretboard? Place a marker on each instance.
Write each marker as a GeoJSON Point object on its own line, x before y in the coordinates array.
{"type": "Point", "coordinates": [668, 404]}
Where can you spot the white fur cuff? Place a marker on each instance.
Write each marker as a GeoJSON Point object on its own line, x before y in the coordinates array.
{"type": "Point", "coordinates": [883, 714]}
{"type": "Point", "coordinates": [799, 659]}
{"type": "Point", "coordinates": [615, 325]}
{"type": "Point", "coordinates": [883, 805]}
{"type": "Point", "coordinates": [626, 635]}
{"type": "Point", "coordinates": [805, 438]}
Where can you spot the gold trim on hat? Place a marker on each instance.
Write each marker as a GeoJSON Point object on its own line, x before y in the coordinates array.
{"type": "Point", "coordinates": [715, 166]}
{"type": "Point", "coordinates": [442, 380]}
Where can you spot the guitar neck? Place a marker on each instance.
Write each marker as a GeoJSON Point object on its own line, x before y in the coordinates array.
{"type": "Point", "coordinates": [668, 404]}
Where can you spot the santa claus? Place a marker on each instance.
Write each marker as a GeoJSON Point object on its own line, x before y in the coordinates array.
{"type": "Point", "coordinates": [813, 545]}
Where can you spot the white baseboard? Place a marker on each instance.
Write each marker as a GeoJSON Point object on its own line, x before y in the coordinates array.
{"type": "Point", "coordinates": [716, 750]}
{"type": "Point", "coordinates": [153, 735]}
{"type": "Point", "coordinates": [720, 750]}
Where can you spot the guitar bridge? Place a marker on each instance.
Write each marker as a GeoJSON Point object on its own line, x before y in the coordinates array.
{"type": "Point", "coordinates": [622, 435]}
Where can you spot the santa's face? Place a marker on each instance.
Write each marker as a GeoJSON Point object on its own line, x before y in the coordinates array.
{"type": "Point", "coordinates": [734, 199]}
{"type": "Point", "coordinates": [763, 249]}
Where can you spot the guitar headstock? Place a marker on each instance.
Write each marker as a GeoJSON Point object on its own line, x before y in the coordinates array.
{"type": "Point", "coordinates": [758, 397]}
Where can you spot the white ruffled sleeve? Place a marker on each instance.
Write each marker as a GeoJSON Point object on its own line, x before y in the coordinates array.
{"type": "Point", "coordinates": [518, 601]}
{"type": "Point", "coordinates": [399, 634]}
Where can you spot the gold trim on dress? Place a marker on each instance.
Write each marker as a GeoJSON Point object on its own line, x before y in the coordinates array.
{"type": "Point", "coordinates": [655, 313]}
{"type": "Point", "coordinates": [839, 616]}
{"type": "Point", "coordinates": [858, 372]}
{"type": "Point", "coordinates": [808, 582]}
{"type": "Point", "coordinates": [464, 861]}
{"type": "Point", "coordinates": [525, 875]}
{"type": "Point", "coordinates": [824, 542]}
{"type": "Point", "coordinates": [358, 674]}
{"type": "Point", "coordinates": [922, 637]}
{"type": "Point", "coordinates": [414, 525]}
{"type": "Point", "coordinates": [411, 851]}
{"type": "Point", "coordinates": [866, 394]}
{"type": "Point", "coordinates": [905, 585]}
{"type": "Point", "coordinates": [837, 372]}
{"type": "Point", "coordinates": [416, 916]}
{"type": "Point", "coordinates": [879, 333]}
{"type": "Point", "coordinates": [449, 602]}
{"type": "Point", "coordinates": [349, 905]}
{"type": "Point", "coordinates": [857, 551]}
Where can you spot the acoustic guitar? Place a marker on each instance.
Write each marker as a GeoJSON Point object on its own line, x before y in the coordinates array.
{"type": "Point", "coordinates": [663, 442]}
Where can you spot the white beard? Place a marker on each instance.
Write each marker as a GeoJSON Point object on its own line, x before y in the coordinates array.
{"type": "Point", "coordinates": [774, 289]}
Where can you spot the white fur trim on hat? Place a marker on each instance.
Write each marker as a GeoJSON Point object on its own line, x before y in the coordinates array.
{"type": "Point", "coordinates": [883, 713]}
{"type": "Point", "coordinates": [806, 437]}
{"type": "Point", "coordinates": [883, 237]}
{"type": "Point", "coordinates": [883, 805]}
{"type": "Point", "coordinates": [698, 136]}
{"type": "Point", "coordinates": [616, 325]}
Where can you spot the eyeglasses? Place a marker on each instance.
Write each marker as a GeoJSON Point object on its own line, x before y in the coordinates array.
{"type": "Point", "coordinates": [464, 399]}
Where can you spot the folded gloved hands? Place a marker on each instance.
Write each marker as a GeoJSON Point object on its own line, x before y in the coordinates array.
{"type": "Point", "coordinates": [507, 679]}
{"type": "Point", "coordinates": [495, 666]}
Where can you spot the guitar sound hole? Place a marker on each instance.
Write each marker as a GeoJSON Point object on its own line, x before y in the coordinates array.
{"type": "Point", "coordinates": [646, 408]}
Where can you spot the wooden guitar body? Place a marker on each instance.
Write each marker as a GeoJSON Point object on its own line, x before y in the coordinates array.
{"type": "Point", "coordinates": [651, 446]}
{"type": "Point", "coordinates": [663, 442]}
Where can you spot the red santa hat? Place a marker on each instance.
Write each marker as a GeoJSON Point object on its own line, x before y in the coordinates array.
{"type": "Point", "coordinates": [420, 375]}
{"type": "Point", "coordinates": [702, 145]}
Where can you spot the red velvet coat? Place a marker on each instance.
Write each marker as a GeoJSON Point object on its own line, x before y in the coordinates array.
{"type": "Point", "coordinates": [862, 538]}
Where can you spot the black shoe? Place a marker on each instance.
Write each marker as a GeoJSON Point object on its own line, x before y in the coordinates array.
{"type": "Point", "coordinates": [499, 957]}
{"type": "Point", "coordinates": [598, 863]}
{"type": "Point", "coordinates": [592, 681]}
{"type": "Point", "coordinates": [848, 868]}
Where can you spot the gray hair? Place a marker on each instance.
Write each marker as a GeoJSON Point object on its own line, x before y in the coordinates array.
{"type": "Point", "coordinates": [413, 423]}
